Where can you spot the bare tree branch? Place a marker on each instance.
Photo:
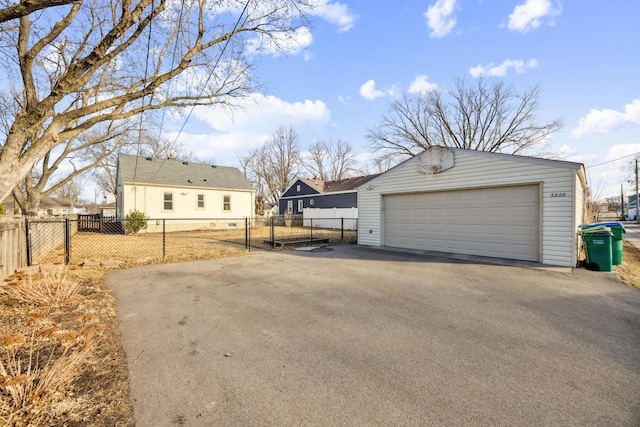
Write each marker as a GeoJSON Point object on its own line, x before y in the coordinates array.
{"type": "Point", "coordinates": [26, 7]}
{"type": "Point", "coordinates": [103, 61]}
{"type": "Point", "coordinates": [273, 167]}
{"type": "Point", "coordinates": [330, 160]}
{"type": "Point", "coordinates": [486, 117]}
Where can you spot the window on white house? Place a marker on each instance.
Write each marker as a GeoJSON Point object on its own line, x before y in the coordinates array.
{"type": "Point", "coordinates": [64, 211]}
{"type": "Point", "coordinates": [300, 205]}
{"type": "Point", "coordinates": [167, 201]}
{"type": "Point", "coordinates": [200, 201]}
{"type": "Point", "coordinates": [290, 206]}
{"type": "Point", "coordinates": [226, 203]}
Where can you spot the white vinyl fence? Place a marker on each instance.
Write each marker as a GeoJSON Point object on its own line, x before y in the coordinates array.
{"type": "Point", "coordinates": [333, 218]}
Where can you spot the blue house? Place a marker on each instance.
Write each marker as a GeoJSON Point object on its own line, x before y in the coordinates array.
{"type": "Point", "coordinates": [318, 194]}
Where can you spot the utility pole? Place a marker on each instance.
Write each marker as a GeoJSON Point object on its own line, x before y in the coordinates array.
{"type": "Point", "coordinates": [621, 201]}
{"type": "Point", "coordinates": [637, 200]}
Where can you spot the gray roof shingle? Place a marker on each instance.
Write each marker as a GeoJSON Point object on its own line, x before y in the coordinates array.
{"type": "Point", "coordinates": [347, 184]}
{"type": "Point", "coordinates": [148, 170]}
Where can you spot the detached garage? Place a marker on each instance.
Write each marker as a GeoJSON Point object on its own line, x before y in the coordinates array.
{"type": "Point", "coordinates": [477, 203]}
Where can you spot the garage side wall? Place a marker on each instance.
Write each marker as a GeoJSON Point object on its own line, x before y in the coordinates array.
{"type": "Point", "coordinates": [580, 213]}
{"type": "Point", "coordinates": [557, 201]}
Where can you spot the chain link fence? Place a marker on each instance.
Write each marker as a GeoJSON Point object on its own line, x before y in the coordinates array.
{"type": "Point", "coordinates": [98, 239]}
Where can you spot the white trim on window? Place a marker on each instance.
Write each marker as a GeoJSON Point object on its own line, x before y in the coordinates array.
{"type": "Point", "coordinates": [226, 203]}
{"type": "Point", "coordinates": [167, 201]}
{"type": "Point", "coordinates": [300, 205]}
{"type": "Point", "coordinates": [290, 207]}
{"type": "Point", "coordinates": [200, 201]}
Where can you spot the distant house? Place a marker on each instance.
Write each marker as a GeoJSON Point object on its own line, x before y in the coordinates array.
{"type": "Point", "coordinates": [173, 189]}
{"type": "Point", "coordinates": [269, 210]}
{"type": "Point", "coordinates": [108, 210]}
{"type": "Point", "coordinates": [326, 204]}
{"type": "Point", "coordinates": [318, 194]}
{"type": "Point", "coordinates": [49, 206]}
{"type": "Point", "coordinates": [56, 206]}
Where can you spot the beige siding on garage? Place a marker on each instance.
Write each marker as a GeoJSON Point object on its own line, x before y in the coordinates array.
{"type": "Point", "coordinates": [556, 181]}
{"type": "Point", "coordinates": [496, 222]}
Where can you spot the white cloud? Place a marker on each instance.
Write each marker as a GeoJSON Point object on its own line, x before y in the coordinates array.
{"type": "Point", "coordinates": [619, 151]}
{"type": "Point", "coordinates": [283, 43]}
{"type": "Point", "coordinates": [501, 70]}
{"type": "Point", "coordinates": [603, 121]}
{"type": "Point", "coordinates": [421, 84]}
{"type": "Point", "coordinates": [566, 151]}
{"type": "Point", "coordinates": [530, 14]}
{"type": "Point", "coordinates": [369, 91]}
{"type": "Point", "coordinates": [226, 135]}
{"type": "Point", "coordinates": [335, 13]}
{"type": "Point", "coordinates": [440, 17]}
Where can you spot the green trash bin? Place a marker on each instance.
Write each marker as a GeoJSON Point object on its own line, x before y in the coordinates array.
{"type": "Point", "coordinates": [617, 240]}
{"type": "Point", "coordinates": [597, 243]}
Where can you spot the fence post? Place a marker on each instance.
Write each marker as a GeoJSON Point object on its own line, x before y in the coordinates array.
{"type": "Point", "coordinates": [272, 237]}
{"type": "Point", "coordinates": [342, 228]}
{"type": "Point", "coordinates": [164, 239]}
{"type": "Point", "coordinates": [311, 219]}
{"type": "Point", "coordinates": [27, 235]}
{"type": "Point", "coordinates": [246, 233]}
{"type": "Point", "coordinates": [67, 241]}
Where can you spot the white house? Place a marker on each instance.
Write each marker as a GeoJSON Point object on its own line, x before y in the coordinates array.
{"type": "Point", "coordinates": [477, 203]}
{"type": "Point", "coordinates": [209, 196]}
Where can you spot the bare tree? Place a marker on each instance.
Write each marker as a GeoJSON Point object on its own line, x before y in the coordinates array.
{"type": "Point", "coordinates": [486, 117]}
{"type": "Point", "coordinates": [59, 168]}
{"type": "Point", "coordinates": [26, 7]}
{"type": "Point", "coordinates": [378, 165]}
{"type": "Point", "coordinates": [73, 67]}
{"type": "Point", "coordinates": [105, 161]}
{"type": "Point", "coordinates": [330, 160]}
{"type": "Point", "coordinates": [72, 190]}
{"type": "Point", "coordinates": [274, 166]}
{"type": "Point", "coordinates": [162, 148]}
{"type": "Point", "coordinates": [315, 162]}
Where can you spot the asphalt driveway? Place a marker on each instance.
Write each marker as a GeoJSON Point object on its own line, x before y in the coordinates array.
{"type": "Point", "coordinates": [358, 336]}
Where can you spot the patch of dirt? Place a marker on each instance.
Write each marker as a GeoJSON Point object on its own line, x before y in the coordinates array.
{"type": "Point", "coordinates": [629, 271]}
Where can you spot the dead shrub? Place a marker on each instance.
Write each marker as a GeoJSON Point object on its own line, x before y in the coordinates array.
{"type": "Point", "coordinates": [36, 367]}
{"type": "Point", "coordinates": [50, 287]}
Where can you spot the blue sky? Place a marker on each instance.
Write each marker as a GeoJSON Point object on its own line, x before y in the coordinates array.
{"type": "Point", "coordinates": [357, 56]}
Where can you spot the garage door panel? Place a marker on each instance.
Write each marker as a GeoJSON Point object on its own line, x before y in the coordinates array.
{"type": "Point", "coordinates": [498, 222]}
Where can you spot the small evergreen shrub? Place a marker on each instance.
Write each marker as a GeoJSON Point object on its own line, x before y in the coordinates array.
{"type": "Point", "coordinates": [136, 221]}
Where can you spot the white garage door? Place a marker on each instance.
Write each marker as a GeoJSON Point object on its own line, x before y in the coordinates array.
{"type": "Point", "coordinates": [495, 222]}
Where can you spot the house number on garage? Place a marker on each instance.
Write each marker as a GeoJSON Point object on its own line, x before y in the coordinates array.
{"type": "Point", "coordinates": [558, 194]}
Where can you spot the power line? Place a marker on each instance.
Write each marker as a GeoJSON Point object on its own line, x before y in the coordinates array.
{"type": "Point", "coordinates": [611, 161]}
{"type": "Point", "coordinates": [146, 74]}
{"type": "Point", "coordinates": [235, 27]}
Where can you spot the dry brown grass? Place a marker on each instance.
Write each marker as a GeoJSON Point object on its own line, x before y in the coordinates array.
{"type": "Point", "coordinates": [35, 368]}
{"type": "Point", "coordinates": [629, 271]}
{"type": "Point", "coordinates": [61, 363]}
{"type": "Point", "coordinates": [147, 248]}
{"type": "Point", "coordinates": [49, 287]}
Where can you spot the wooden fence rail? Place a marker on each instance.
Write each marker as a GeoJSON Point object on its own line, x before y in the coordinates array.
{"type": "Point", "coordinates": [12, 247]}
